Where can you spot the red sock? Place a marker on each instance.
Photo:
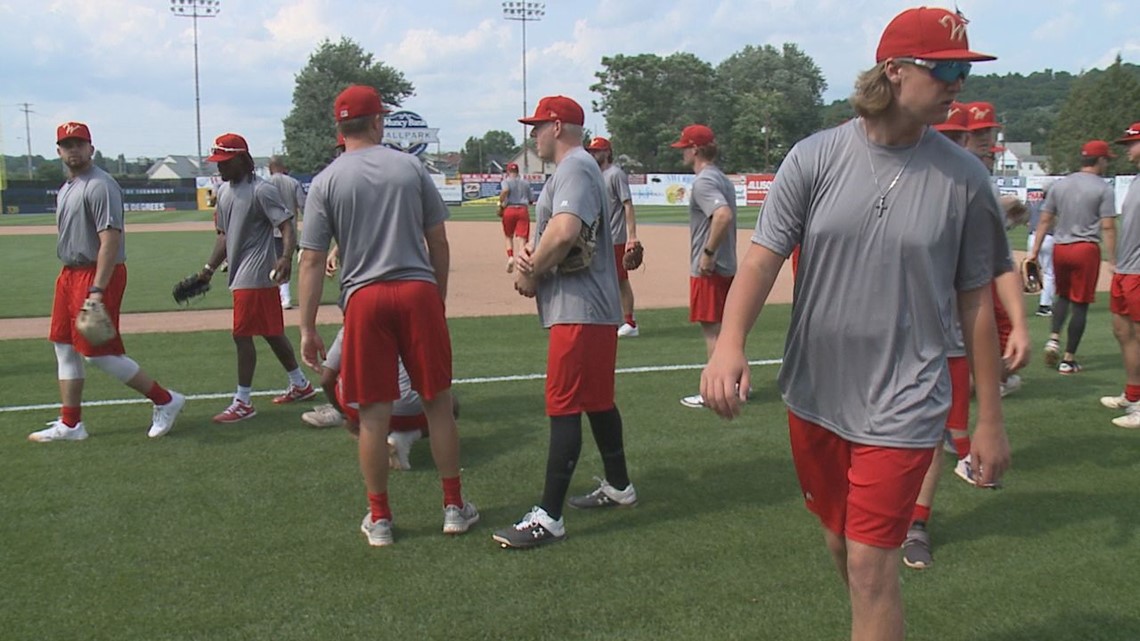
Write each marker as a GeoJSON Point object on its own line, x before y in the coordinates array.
{"type": "Point", "coordinates": [962, 446]}
{"type": "Point", "coordinates": [378, 503]}
{"type": "Point", "coordinates": [158, 394]}
{"type": "Point", "coordinates": [1132, 393]}
{"type": "Point", "coordinates": [510, 253]}
{"type": "Point", "coordinates": [921, 513]}
{"type": "Point", "coordinates": [629, 321]}
{"type": "Point", "coordinates": [70, 415]}
{"type": "Point", "coordinates": [452, 492]}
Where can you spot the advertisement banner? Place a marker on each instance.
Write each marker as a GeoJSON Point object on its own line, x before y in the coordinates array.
{"type": "Point", "coordinates": [488, 186]}
{"type": "Point", "coordinates": [756, 188]}
{"type": "Point", "coordinates": [662, 189]}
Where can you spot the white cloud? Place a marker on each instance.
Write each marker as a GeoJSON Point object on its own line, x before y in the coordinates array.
{"type": "Point", "coordinates": [1056, 28]}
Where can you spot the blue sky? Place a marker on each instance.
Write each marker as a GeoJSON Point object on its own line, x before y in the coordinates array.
{"type": "Point", "coordinates": [126, 66]}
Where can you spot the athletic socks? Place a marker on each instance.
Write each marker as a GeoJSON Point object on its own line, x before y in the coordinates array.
{"type": "Point", "coordinates": [921, 514]}
{"type": "Point", "coordinates": [70, 415]}
{"type": "Point", "coordinates": [629, 321]}
{"type": "Point", "coordinates": [607, 429]}
{"type": "Point", "coordinates": [378, 505]}
{"type": "Point", "coordinates": [452, 492]}
{"type": "Point", "coordinates": [244, 394]}
{"type": "Point", "coordinates": [1132, 393]}
{"type": "Point", "coordinates": [297, 378]}
{"type": "Point", "coordinates": [961, 445]}
{"type": "Point", "coordinates": [510, 253]}
{"type": "Point", "coordinates": [158, 394]}
{"type": "Point", "coordinates": [561, 459]}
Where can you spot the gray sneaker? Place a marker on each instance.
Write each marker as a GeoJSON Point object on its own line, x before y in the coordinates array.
{"type": "Point", "coordinates": [458, 520]}
{"type": "Point", "coordinates": [916, 548]}
{"type": "Point", "coordinates": [1052, 352]}
{"type": "Point", "coordinates": [605, 496]}
{"type": "Point", "coordinates": [379, 533]}
{"type": "Point", "coordinates": [535, 529]}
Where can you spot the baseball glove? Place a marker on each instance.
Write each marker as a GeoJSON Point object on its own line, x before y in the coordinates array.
{"type": "Point", "coordinates": [1030, 276]}
{"type": "Point", "coordinates": [581, 255]}
{"type": "Point", "coordinates": [94, 323]}
{"type": "Point", "coordinates": [189, 287]}
{"type": "Point", "coordinates": [633, 256]}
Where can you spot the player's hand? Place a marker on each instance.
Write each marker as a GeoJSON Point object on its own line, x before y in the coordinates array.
{"type": "Point", "coordinates": [205, 276]}
{"type": "Point", "coordinates": [631, 242]}
{"type": "Point", "coordinates": [524, 260]}
{"type": "Point", "coordinates": [312, 348]}
{"type": "Point", "coordinates": [707, 264]}
{"type": "Point", "coordinates": [989, 454]}
{"type": "Point", "coordinates": [331, 265]}
{"type": "Point", "coordinates": [525, 285]}
{"type": "Point", "coordinates": [95, 296]}
{"type": "Point", "coordinates": [1017, 349]}
{"type": "Point", "coordinates": [1032, 257]}
{"type": "Point", "coordinates": [725, 382]}
{"type": "Point", "coordinates": [282, 269]}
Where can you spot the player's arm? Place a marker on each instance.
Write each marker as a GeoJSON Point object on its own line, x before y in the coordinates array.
{"type": "Point", "coordinates": [630, 222]}
{"type": "Point", "coordinates": [557, 239]}
{"type": "Point", "coordinates": [990, 446]}
{"type": "Point", "coordinates": [1011, 293]}
{"type": "Point", "coordinates": [217, 255]}
{"type": "Point", "coordinates": [1108, 233]}
{"type": "Point", "coordinates": [1043, 227]}
{"type": "Point", "coordinates": [439, 253]}
{"type": "Point", "coordinates": [110, 240]}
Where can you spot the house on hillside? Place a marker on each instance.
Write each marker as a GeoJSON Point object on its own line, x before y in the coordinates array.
{"type": "Point", "coordinates": [1017, 159]}
{"type": "Point", "coordinates": [533, 164]}
{"type": "Point", "coordinates": [177, 167]}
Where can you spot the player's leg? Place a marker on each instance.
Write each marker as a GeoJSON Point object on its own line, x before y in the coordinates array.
{"type": "Point", "coordinates": [1125, 306]}
{"type": "Point", "coordinates": [1048, 278]}
{"type": "Point", "coordinates": [822, 460]}
{"type": "Point", "coordinates": [707, 295]}
{"type": "Point", "coordinates": [917, 549]}
{"type": "Point", "coordinates": [1063, 267]}
{"type": "Point", "coordinates": [1082, 294]}
{"type": "Point", "coordinates": [69, 363]}
{"type": "Point", "coordinates": [330, 414]}
{"type": "Point", "coordinates": [876, 596]}
{"type": "Point", "coordinates": [521, 229]}
{"type": "Point", "coordinates": [628, 328]}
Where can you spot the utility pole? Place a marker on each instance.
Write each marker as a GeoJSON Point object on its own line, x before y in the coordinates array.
{"type": "Point", "coordinates": [26, 108]}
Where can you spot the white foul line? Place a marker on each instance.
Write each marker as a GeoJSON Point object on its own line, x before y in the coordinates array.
{"type": "Point", "coordinates": [458, 381]}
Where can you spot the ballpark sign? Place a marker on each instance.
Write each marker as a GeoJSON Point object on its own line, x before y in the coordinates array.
{"type": "Point", "coordinates": [406, 131]}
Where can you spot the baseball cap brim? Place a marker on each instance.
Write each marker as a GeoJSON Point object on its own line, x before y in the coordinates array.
{"type": "Point", "coordinates": [535, 121]}
{"type": "Point", "coordinates": [222, 156]}
{"type": "Point", "coordinates": [964, 55]}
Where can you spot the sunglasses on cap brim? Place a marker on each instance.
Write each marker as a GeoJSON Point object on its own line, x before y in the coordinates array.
{"type": "Point", "coordinates": [225, 150]}
{"type": "Point", "coordinates": [947, 71]}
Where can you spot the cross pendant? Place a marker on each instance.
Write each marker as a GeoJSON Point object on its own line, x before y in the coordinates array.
{"type": "Point", "coordinates": [881, 206]}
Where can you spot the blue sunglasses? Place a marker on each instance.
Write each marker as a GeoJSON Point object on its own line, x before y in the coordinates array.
{"type": "Point", "coordinates": [948, 71]}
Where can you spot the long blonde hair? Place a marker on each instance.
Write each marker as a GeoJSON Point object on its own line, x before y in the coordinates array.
{"type": "Point", "coordinates": [873, 93]}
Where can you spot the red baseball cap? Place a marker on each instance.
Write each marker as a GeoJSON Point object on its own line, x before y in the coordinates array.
{"type": "Point", "coordinates": [694, 136]}
{"type": "Point", "coordinates": [930, 33]}
{"type": "Point", "coordinates": [981, 115]}
{"type": "Point", "coordinates": [227, 146]}
{"type": "Point", "coordinates": [512, 166]}
{"type": "Point", "coordinates": [553, 108]}
{"type": "Point", "coordinates": [1132, 134]}
{"type": "Point", "coordinates": [1096, 149]}
{"type": "Point", "coordinates": [599, 144]}
{"type": "Point", "coordinates": [357, 101]}
{"type": "Point", "coordinates": [72, 130]}
{"type": "Point", "coordinates": [956, 119]}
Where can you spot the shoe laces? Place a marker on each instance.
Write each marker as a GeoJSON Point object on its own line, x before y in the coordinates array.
{"type": "Point", "coordinates": [602, 485]}
{"type": "Point", "coordinates": [530, 519]}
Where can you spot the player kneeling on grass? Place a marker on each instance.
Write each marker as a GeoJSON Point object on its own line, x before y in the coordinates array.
{"type": "Point", "coordinates": [89, 214]}
{"type": "Point", "coordinates": [249, 209]}
{"type": "Point", "coordinates": [578, 302]}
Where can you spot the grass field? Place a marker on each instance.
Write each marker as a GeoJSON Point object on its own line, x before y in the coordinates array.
{"type": "Point", "coordinates": [250, 531]}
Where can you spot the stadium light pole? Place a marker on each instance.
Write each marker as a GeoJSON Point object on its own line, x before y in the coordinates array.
{"type": "Point", "coordinates": [195, 9]}
{"type": "Point", "coordinates": [524, 11]}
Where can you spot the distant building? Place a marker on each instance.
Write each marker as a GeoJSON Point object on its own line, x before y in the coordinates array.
{"type": "Point", "coordinates": [533, 164]}
{"type": "Point", "coordinates": [177, 167]}
{"type": "Point", "coordinates": [1017, 159]}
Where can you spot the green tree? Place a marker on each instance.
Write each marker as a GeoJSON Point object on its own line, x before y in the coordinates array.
{"type": "Point", "coordinates": [766, 95]}
{"type": "Point", "coordinates": [647, 100]}
{"type": "Point", "coordinates": [1099, 106]}
{"type": "Point", "coordinates": [310, 131]}
{"type": "Point", "coordinates": [478, 153]}
{"type": "Point", "coordinates": [51, 170]}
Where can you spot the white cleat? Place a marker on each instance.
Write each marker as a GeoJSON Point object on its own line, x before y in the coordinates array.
{"type": "Point", "coordinates": [165, 415]}
{"type": "Point", "coordinates": [628, 331]}
{"type": "Point", "coordinates": [58, 431]}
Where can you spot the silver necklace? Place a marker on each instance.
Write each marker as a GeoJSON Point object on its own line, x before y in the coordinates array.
{"type": "Point", "coordinates": [881, 205]}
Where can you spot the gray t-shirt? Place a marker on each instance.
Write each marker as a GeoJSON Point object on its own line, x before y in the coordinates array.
{"type": "Point", "coordinates": [589, 296]}
{"type": "Point", "coordinates": [84, 206]}
{"type": "Point", "coordinates": [292, 194]}
{"type": "Point", "coordinates": [377, 203]}
{"type": "Point", "coordinates": [711, 190]}
{"type": "Point", "coordinates": [247, 213]}
{"type": "Point", "coordinates": [866, 349]}
{"type": "Point", "coordinates": [1128, 244]}
{"type": "Point", "coordinates": [617, 194]}
{"type": "Point", "coordinates": [1079, 201]}
{"type": "Point", "coordinates": [1035, 207]}
{"type": "Point", "coordinates": [518, 191]}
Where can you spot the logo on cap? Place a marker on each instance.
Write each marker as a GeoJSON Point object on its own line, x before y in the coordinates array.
{"type": "Point", "coordinates": [978, 113]}
{"type": "Point", "coordinates": [957, 26]}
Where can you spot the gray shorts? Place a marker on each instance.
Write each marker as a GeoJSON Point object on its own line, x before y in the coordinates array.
{"type": "Point", "coordinates": [409, 402]}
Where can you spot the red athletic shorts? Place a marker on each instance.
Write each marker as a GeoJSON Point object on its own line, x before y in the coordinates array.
{"type": "Point", "coordinates": [395, 423]}
{"type": "Point", "coordinates": [1076, 267]}
{"type": "Point", "coordinates": [580, 363]}
{"type": "Point", "coordinates": [706, 297]}
{"type": "Point", "coordinates": [70, 292]}
{"type": "Point", "coordinates": [959, 417]}
{"type": "Point", "coordinates": [1125, 296]}
{"type": "Point", "coordinates": [795, 260]}
{"type": "Point", "coordinates": [516, 221]}
{"type": "Point", "coordinates": [619, 256]}
{"type": "Point", "coordinates": [389, 320]}
{"type": "Point", "coordinates": [257, 312]}
{"type": "Point", "coordinates": [1001, 317]}
{"type": "Point", "coordinates": [861, 492]}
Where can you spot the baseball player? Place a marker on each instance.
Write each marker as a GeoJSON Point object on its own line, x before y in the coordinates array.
{"type": "Point", "coordinates": [514, 209]}
{"type": "Point", "coordinates": [864, 374]}
{"type": "Point", "coordinates": [712, 237]}
{"type": "Point", "coordinates": [387, 219]}
{"type": "Point", "coordinates": [1044, 258]}
{"type": "Point", "coordinates": [1080, 208]}
{"type": "Point", "coordinates": [581, 308]}
{"type": "Point", "coordinates": [1125, 301]}
{"type": "Point", "coordinates": [293, 195]}
{"type": "Point", "coordinates": [92, 248]}
{"type": "Point", "coordinates": [249, 209]}
{"type": "Point", "coordinates": [623, 225]}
